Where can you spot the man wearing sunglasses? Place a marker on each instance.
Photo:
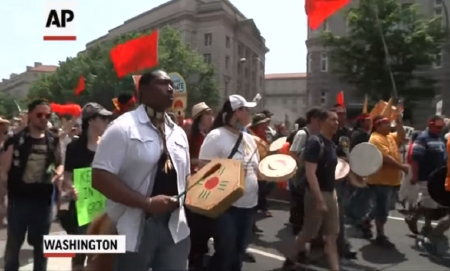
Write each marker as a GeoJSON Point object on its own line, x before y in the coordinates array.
{"type": "Point", "coordinates": [428, 154]}
{"type": "Point", "coordinates": [31, 161]}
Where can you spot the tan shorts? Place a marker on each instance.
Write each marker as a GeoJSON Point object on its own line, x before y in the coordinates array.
{"type": "Point", "coordinates": [327, 223]}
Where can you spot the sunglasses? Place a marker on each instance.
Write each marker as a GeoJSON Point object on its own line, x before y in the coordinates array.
{"type": "Point", "coordinates": [43, 115]}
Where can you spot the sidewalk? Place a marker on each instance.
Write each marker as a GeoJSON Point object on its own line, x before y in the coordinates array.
{"type": "Point", "coordinates": [54, 264]}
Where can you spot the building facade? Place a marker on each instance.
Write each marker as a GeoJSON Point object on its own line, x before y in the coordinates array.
{"type": "Point", "coordinates": [285, 96]}
{"type": "Point", "coordinates": [18, 85]}
{"type": "Point", "coordinates": [323, 85]}
{"type": "Point", "coordinates": [218, 31]}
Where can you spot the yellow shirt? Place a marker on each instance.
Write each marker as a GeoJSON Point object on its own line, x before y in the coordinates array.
{"type": "Point", "coordinates": [388, 145]}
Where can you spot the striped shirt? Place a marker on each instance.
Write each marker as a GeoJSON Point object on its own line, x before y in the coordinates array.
{"type": "Point", "coordinates": [429, 153]}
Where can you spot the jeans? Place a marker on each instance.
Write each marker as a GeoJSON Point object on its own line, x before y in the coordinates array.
{"type": "Point", "coordinates": [80, 259]}
{"type": "Point", "coordinates": [232, 233]}
{"type": "Point", "coordinates": [201, 230]}
{"type": "Point", "coordinates": [381, 195]}
{"type": "Point", "coordinates": [359, 204]}
{"type": "Point", "coordinates": [27, 216]}
{"type": "Point", "coordinates": [156, 249]}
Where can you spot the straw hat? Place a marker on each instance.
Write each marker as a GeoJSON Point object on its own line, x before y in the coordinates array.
{"type": "Point", "coordinates": [198, 109]}
{"type": "Point", "coordinates": [4, 121]}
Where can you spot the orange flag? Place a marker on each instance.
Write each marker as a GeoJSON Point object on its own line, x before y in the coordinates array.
{"type": "Point", "coordinates": [319, 10]}
{"type": "Point", "coordinates": [80, 87]}
{"type": "Point", "coordinates": [135, 55]}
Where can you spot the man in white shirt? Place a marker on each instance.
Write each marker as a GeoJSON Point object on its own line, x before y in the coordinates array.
{"type": "Point", "coordinates": [296, 149]}
{"type": "Point", "coordinates": [141, 166]}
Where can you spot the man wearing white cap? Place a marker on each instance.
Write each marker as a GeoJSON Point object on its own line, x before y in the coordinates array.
{"type": "Point", "coordinates": [233, 228]}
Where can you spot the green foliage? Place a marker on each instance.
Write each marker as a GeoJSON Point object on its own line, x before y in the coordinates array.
{"type": "Point", "coordinates": [8, 107]}
{"type": "Point", "coordinates": [102, 84]}
{"type": "Point", "coordinates": [413, 43]}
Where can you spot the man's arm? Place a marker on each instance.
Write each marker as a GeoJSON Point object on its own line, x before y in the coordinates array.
{"type": "Point", "coordinates": [418, 152]}
{"type": "Point", "coordinates": [297, 144]}
{"type": "Point", "coordinates": [6, 160]}
{"type": "Point", "coordinates": [384, 149]}
{"type": "Point", "coordinates": [312, 156]}
{"type": "Point", "coordinates": [209, 150]}
{"type": "Point", "coordinates": [400, 134]}
{"type": "Point", "coordinates": [106, 165]}
{"type": "Point", "coordinates": [59, 166]}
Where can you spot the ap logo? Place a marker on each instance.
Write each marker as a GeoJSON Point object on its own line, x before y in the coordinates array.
{"type": "Point", "coordinates": [60, 19]}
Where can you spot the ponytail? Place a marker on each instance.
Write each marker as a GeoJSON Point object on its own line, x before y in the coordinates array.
{"type": "Point", "coordinates": [224, 116]}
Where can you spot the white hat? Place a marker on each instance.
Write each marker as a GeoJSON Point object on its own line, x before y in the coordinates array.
{"type": "Point", "coordinates": [199, 109]}
{"type": "Point", "coordinates": [237, 101]}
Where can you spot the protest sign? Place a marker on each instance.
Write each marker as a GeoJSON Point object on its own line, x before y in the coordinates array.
{"type": "Point", "coordinates": [90, 202]}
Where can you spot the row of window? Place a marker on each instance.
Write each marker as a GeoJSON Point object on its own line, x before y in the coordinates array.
{"type": "Point", "coordinates": [323, 62]}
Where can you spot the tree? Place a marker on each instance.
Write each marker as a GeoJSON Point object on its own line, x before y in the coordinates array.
{"type": "Point", "coordinates": [8, 107]}
{"type": "Point", "coordinates": [413, 43]}
{"type": "Point", "coordinates": [102, 84]}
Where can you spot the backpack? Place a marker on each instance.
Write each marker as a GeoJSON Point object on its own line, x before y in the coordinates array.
{"type": "Point", "coordinates": [299, 179]}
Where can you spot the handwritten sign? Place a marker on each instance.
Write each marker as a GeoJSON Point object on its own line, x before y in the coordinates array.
{"type": "Point", "coordinates": [90, 202]}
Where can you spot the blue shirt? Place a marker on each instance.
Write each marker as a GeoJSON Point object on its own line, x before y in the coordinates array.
{"type": "Point", "coordinates": [429, 153]}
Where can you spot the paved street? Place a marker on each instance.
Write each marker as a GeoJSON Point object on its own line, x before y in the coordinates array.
{"type": "Point", "coordinates": [269, 247]}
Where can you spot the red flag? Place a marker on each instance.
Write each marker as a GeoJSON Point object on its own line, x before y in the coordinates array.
{"type": "Point", "coordinates": [340, 98]}
{"type": "Point", "coordinates": [319, 10]}
{"type": "Point", "coordinates": [135, 55]}
{"type": "Point", "coordinates": [80, 87]}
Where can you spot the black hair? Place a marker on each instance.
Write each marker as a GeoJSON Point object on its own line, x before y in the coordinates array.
{"type": "Point", "coordinates": [35, 103]}
{"type": "Point", "coordinates": [301, 122]}
{"type": "Point", "coordinates": [124, 98]}
{"type": "Point", "coordinates": [326, 113]}
{"type": "Point", "coordinates": [435, 118]}
{"type": "Point", "coordinates": [313, 113]}
{"type": "Point", "coordinates": [145, 80]}
{"type": "Point", "coordinates": [223, 116]}
{"type": "Point", "coordinates": [374, 121]}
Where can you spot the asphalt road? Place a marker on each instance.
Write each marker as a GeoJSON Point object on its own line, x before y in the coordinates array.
{"type": "Point", "coordinates": [276, 239]}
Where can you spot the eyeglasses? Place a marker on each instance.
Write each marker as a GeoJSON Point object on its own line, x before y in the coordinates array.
{"type": "Point", "coordinates": [42, 115]}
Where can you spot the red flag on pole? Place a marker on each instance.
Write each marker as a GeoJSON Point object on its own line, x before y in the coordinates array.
{"type": "Point", "coordinates": [135, 55]}
{"type": "Point", "coordinates": [340, 98]}
{"type": "Point", "coordinates": [319, 10]}
{"type": "Point", "coordinates": [80, 87]}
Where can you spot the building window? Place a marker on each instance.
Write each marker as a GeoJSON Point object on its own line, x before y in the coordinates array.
{"type": "Point", "coordinates": [325, 26]}
{"type": "Point", "coordinates": [227, 42]}
{"type": "Point", "coordinates": [246, 72]}
{"type": "Point", "coordinates": [347, 26]}
{"type": "Point", "coordinates": [284, 101]}
{"type": "Point", "coordinates": [323, 97]}
{"type": "Point", "coordinates": [240, 50]}
{"type": "Point", "coordinates": [239, 68]}
{"type": "Point", "coordinates": [226, 88]}
{"type": "Point", "coordinates": [438, 62]}
{"type": "Point", "coordinates": [437, 3]}
{"type": "Point", "coordinates": [227, 62]}
{"type": "Point", "coordinates": [207, 58]}
{"type": "Point", "coordinates": [324, 62]}
{"type": "Point", "coordinates": [208, 39]}
{"type": "Point", "coordinates": [308, 62]}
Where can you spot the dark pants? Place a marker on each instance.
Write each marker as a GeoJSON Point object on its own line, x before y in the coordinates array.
{"type": "Point", "coordinates": [342, 241]}
{"type": "Point", "coordinates": [79, 260]}
{"type": "Point", "coordinates": [201, 230]}
{"type": "Point", "coordinates": [232, 233]}
{"type": "Point", "coordinates": [27, 216]}
{"type": "Point", "coordinates": [264, 189]}
{"type": "Point", "coordinates": [359, 205]}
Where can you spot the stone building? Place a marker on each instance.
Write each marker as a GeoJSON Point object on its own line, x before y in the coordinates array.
{"type": "Point", "coordinates": [217, 30]}
{"type": "Point", "coordinates": [323, 86]}
{"type": "Point", "coordinates": [17, 85]}
{"type": "Point", "coordinates": [285, 96]}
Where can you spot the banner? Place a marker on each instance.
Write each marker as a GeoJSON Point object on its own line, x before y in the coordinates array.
{"type": "Point", "coordinates": [180, 94]}
{"type": "Point", "coordinates": [90, 202]}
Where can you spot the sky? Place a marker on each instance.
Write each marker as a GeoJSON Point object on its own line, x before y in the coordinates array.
{"type": "Point", "coordinates": [282, 23]}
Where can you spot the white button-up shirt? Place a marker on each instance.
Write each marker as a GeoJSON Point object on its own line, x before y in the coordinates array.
{"type": "Point", "coordinates": [130, 149]}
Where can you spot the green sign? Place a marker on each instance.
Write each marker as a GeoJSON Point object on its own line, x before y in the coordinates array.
{"type": "Point", "coordinates": [90, 202]}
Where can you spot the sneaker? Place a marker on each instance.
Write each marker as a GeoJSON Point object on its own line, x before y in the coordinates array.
{"type": "Point", "coordinates": [289, 265]}
{"type": "Point", "coordinates": [384, 242]}
{"type": "Point", "coordinates": [248, 257]}
{"type": "Point", "coordinates": [425, 231]}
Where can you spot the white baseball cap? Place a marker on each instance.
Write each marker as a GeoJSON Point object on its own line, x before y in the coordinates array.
{"type": "Point", "coordinates": [237, 101]}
